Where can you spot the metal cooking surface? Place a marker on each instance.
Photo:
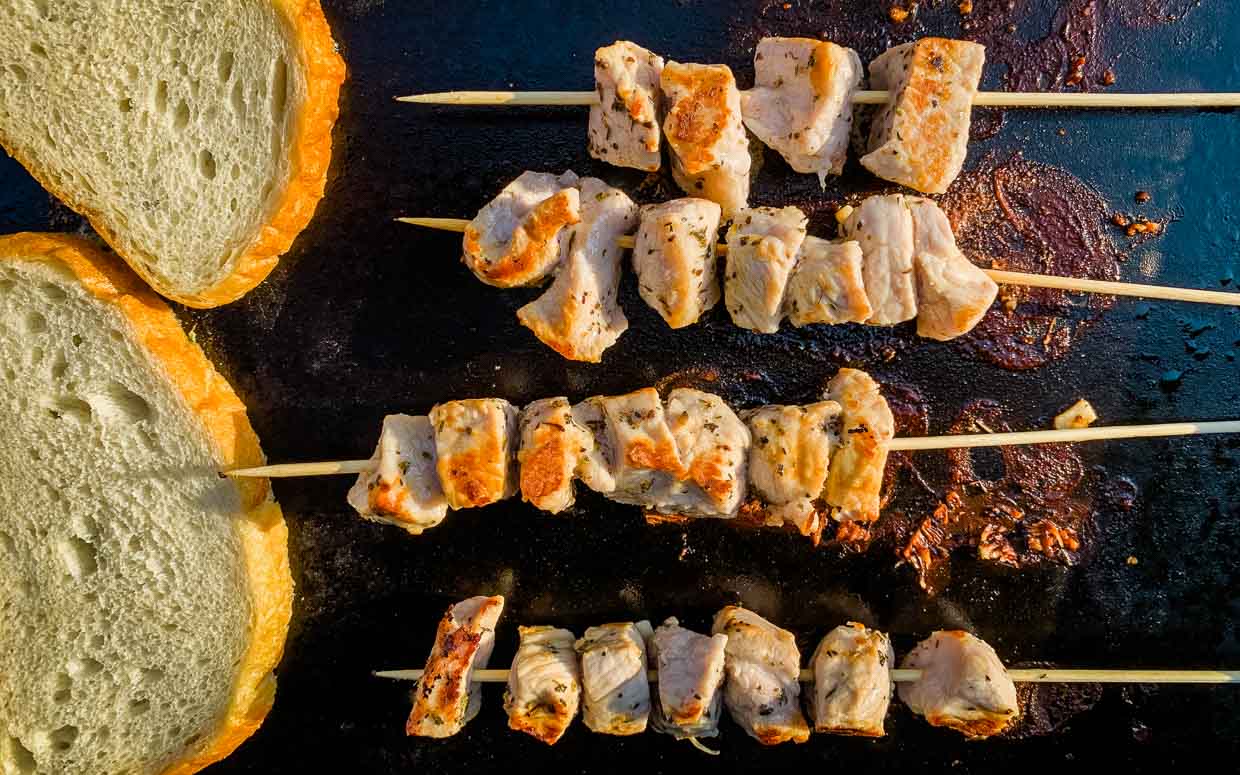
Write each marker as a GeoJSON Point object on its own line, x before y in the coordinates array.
{"type": "Point", "coordinates": [367, 317]}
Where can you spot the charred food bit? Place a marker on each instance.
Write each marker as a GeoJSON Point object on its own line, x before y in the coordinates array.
{"type": "Point", "coordinates": [1079, 415]}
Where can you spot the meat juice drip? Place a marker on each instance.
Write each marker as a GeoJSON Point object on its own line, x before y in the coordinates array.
{"type": "Point", "coordinates": [1026, 216]}
{"type": "Point", "coordinates": [1046, 707]}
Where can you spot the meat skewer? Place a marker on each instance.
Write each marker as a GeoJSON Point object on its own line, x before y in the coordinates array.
{"type": "Point", "coordinates": [688, 456]}
{"type": "Point", "coordinates": [952, 679]}
{"type": "Point", "coordinates": [911, 443]}
{"type": "Point", "coordinates": [1004, 277]}
{"type": "Point", "coordinates": [801, 106]}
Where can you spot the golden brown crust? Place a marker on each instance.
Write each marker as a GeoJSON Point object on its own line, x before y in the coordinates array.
{"type": "Point", "coordinates": [309, 152]}
{"type": "Point", "coordinates": [441, 697]}
{"type": "Point", "coordinates": [261, 530]}
{"type": "Point", "coordinates": [547, 723]}
{"type": "Point", "coordinates": [543, 473]}
{"type": "Point", "coordinates": [696, 121]}
{"type": "Point", "coordinates": [534, 245]}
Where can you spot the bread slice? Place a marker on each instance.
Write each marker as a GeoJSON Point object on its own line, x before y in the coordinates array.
{"type": "Point", "coordinates": [144, 599]}
{"type": "Point", "coordinates": [195, 136]}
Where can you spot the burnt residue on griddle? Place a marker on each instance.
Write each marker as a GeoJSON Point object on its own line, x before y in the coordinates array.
{"type": "Point", "coordinates": [1046, 707]}
{"type": "Point", "coordinates": [1016, 506]}
{"type": "Point", "coordinates": [1026, 216]}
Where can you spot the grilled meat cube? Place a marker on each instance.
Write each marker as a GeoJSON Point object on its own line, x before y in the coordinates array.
{"type": "Point", "coordinates": [713, 446]}
{"type": "Point", "coordinates": [709, 149]}
{"type": "Point", "coordinates": [475, 447]}
{"type": "Point", "coordinates": [801, 103]}
{"type": "Point", "coordinates": [762, 689]}
{"type": "Point", "coordinates": [544, 684]}
{"type": "Point", "coordinates": [789, 460]}
{"type": "Point", "coordinates": [827, 285]}
{"type": "Point", "coordinates": [445, 697]}
{"type": "Point", "coordinates": [963, 685]}
{"type": "Point", "coordinates": [953, 294]}
{"type": "Point", "coordinates": [518, 237]}
{"type": "Point", "coordinates": [920, 137]}
{"type": "Point", "coordinates": [403, 487]}
{"type": "Point", "coordinates": [762, 250]}
{"type": "Point", "coordinates": [674, 258]}
{"type": "Point", "coordinates": [624, 126]}
{"type": "Point", "coordinates": [855, 481]}
{"type": "Point", "coordinates": [613, 671]}
{"type": "Point", "coordinates": [643, 459]}
{"type": "Point", "coordinates": [690, 669]}
{"type": "Point", "coordinates": [883, 226]}
{"type": "Point", "coordinates": [553, 446]}
{"type": "Point", "coordinates": [579, 316]}
{"type": "Point", "coordinates": [852, 681]}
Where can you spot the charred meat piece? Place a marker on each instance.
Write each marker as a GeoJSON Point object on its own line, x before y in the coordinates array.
{"type": "Point", "coordinates": [920, 137]}
{"type": "Point", "coordinates": [855, 481]}
{"type": "Point", "coordinates": [690, 673]}
{"type": "Point", "coordinates": [579, 316]}
{"type": "Point", "coordinates": [952, 292]}
{"type": "Point", "coordinates": [613, 671]}
{"type": "Point", "coordinates": [643, 460]}
{"type": "Point", "coordinates": [713, 445]}
{"type": "Point", "coordinates": [852, 681]}
{"type": "Point", "coordinates": [789, 459]}
{"type": "Point", "coordinates": [763, 244]}
{"type": "Point", "coordinates": [709, 149]}
{"type": "Point", "coordinates": [544, 684]}
{"type": "Point", "coordinates": [674, 258]}
{"type": "Point", "coordinates": [445, 697]}
{"type": "Point", "coordinates": [828, 284]}
{"type": "Point", "coordinates": [802, 100]}
{"type": "Point", "coordinates": [883, 227]}
{"type": "Point", "coordinates": [963, 685]}
{"type": "Point", "coordinates": [518, 237]}
{"type": "Point", "coordinates": [762, 690]}
{"type": "Point", "coordinates": [475, 450]}
{"type": "Point", "coordinates": [553, 447]}
{"type": "Point", "coordinates": [403, 488]}
{"type": "Point", "coordinates": [624, 126]}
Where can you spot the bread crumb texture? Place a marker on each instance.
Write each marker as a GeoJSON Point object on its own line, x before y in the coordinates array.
{"type": "Point", "coordinates": [144, 600]}
{"type": "Point", "coordinates": [194, 136]}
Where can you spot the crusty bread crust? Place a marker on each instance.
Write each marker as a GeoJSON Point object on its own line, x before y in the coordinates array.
{"type": "Point", "coordinates": [310, 152]}
{"type": "Point", "coordinates": [261, 529]}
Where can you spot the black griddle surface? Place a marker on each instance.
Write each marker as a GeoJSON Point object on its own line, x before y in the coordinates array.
{"type": "Point", "coordinates": [366, 317]}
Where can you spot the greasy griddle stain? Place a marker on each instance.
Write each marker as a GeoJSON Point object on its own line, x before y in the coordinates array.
{"type": "Point", "coordinates": [1027, 216]}
{"type": "Point", "coordinates": [1046, 707]}
{"type": "Point", "coordinates": [1016, 506]}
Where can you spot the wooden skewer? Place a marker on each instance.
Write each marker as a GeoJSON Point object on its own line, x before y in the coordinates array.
{"type": "Point", "coordinates": [997, 99]}
{"type": "Point", "coordinates": [1024, 675]}
{"type": "Point", "coordinates": [908, 443]}
{"type": "Point", "coordinates": [1078, 284]}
